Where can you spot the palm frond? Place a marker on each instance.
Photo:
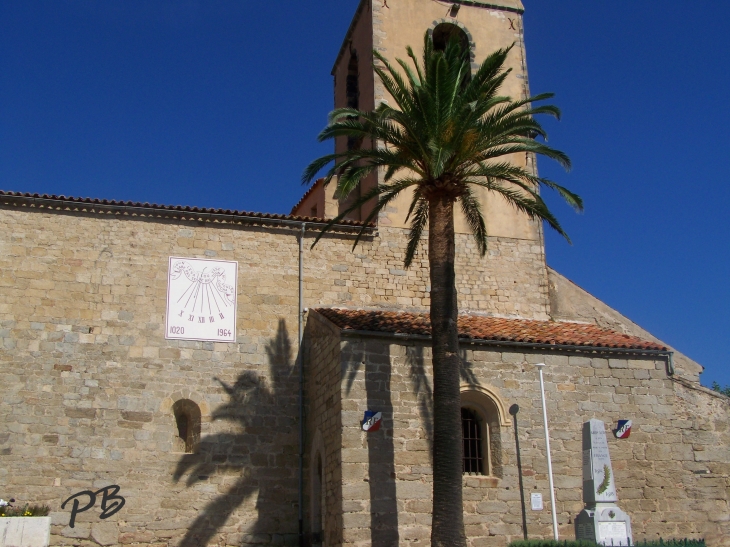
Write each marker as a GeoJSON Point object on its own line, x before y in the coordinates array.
{"type": "Point", "coordinates": [316, 166]}
{"type": "Point", "coordinates": [574, 200]}
{"type": "Point", "coordinates": [419, 208]}
{"type": "Point", "coordinates": [338, 113]}
{"type": "Point", "coordinates": [384, 193]}
{"type": "Point", "coordinates": [472, 210]}
{"type": "Point", "coordinates": [533, 206]}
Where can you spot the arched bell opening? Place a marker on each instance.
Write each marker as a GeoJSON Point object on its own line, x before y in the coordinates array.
{"type": "Point", "coordinates": [443, 33]}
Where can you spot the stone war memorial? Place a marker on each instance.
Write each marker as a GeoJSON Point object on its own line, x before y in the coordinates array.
{"type": "Point", "coordinates": [601, 520]}
{"type": "Point", "coordinates": [155, 391]}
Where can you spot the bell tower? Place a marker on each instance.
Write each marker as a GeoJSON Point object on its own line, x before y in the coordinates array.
{"type": "Point", "coordinates": [389, 26]}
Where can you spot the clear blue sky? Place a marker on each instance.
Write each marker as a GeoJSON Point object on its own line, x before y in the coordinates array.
{"type": "Point", "coordinates": [217, 103]}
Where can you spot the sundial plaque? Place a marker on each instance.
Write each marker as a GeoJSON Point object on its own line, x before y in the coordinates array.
{"type": "Point", "coordinates": [201, 300]}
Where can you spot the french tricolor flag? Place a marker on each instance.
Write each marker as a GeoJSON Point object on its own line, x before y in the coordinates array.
{"type": "Point", "coordinates": [623, 430]}
{"type": "Point", "coordinates": [372, 421]}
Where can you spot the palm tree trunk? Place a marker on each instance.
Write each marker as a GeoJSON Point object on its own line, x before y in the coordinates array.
{"type": "Point", "coordinates": [447, 529]}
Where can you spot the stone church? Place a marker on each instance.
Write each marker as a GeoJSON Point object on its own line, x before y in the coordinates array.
{"type": "Point", "coordinates": [157, 349]}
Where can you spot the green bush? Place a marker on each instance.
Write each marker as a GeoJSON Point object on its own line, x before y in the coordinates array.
{"type": "Point", "coordinates": [551, 543]}
{"type": "Point", "coordinates": [25, 511]}
{"type": "Point", "coordinates": [672, 543]}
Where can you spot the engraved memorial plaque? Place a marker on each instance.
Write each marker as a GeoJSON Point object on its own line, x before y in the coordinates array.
{"type": "Point", "coordinates": [599, 485]}
{"type": "Point", "coordinates": [612, 533]}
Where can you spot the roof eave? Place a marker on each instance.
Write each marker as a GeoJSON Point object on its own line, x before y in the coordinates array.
{"type": "Point", "coordinates": [510, 343]}
{"type": "Point", "coordinates": [130, 210]}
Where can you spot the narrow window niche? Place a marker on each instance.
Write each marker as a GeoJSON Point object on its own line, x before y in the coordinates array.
{"type": "Point", "coordinates": [317, 492]}
{"type": "Point", "coordinates": [317, 502]}
{"type": "Point", "coordinates": [187, 426]}
{"type": "Point", "coordinates": [352, 91]}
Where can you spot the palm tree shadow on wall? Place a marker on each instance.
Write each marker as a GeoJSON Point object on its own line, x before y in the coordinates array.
{"type": "Point", "coordinates": [263, 453]}
{"type": "Point", "coordinates": [375, 361]}
{"type": "Point", "coordinates": [423, 390]}
{"type": "Point", "coordinates": [374, 358]}
{"type": "Point", "coordinates": [423, 386]}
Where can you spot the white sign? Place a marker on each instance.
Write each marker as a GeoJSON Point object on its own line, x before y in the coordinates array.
{"type": "Point", "coordinates": [615, 532]}
{"type": "Point", "coordinates": [201, 300]}
{"type": "Point", "coordinates": [536, 500]}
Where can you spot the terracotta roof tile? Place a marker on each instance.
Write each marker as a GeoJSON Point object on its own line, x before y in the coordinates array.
{"type": "Point", "coordinates": [46, 199]}
{"type": "Point", "coordinates": [476, 327]}
{"type": "Point", "coordinates": [319, 182]}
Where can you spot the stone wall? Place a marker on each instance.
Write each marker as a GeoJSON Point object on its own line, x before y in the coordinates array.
{"type": "Point", "coordinates": [119, 263]}
{"type": "Point", "coordinates": [672, 473]}
{"type": "Point", "coordinates": [90, 382]}
{"type": "Point", "coordinates": [324, 425]}
{"type": "Point", "coordinates": [89, 379]}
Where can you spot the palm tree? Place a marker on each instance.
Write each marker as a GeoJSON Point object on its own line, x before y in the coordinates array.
{"type": "Point", "coordinates": [447, 133]}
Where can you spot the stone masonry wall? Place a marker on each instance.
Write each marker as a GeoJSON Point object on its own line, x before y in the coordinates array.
{"type": "Point", "coordinates": [324, 423]}
{"type": "Point", "coordinates": [672, 473]}
{"type": "Point", "coordinates": [89, 379]}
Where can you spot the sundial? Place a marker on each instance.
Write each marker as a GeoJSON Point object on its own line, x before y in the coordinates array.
{"type": "Point", "coordinates": [201, 299]}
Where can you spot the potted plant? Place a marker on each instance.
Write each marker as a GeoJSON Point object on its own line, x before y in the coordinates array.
{"type": "Point", "coordinates": [24, 525]}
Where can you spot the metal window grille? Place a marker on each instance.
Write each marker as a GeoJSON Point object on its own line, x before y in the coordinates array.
{"type": "Point", "coordinates": [472, 432]}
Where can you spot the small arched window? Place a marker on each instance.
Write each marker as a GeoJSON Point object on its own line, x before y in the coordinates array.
{"type": "Point", "coordinates": [482, 448]}
{"type": "Point", "coordinates": [445, 32]}
{"type": "Point", "coordinates": [187, 426]}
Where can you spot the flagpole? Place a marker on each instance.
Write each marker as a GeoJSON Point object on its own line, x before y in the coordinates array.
{"type": "Point", "coordinates": [547, 449]}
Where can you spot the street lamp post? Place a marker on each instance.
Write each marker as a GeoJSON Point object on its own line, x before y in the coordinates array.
{"type": "Point", "coordinates": [547, 449]}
